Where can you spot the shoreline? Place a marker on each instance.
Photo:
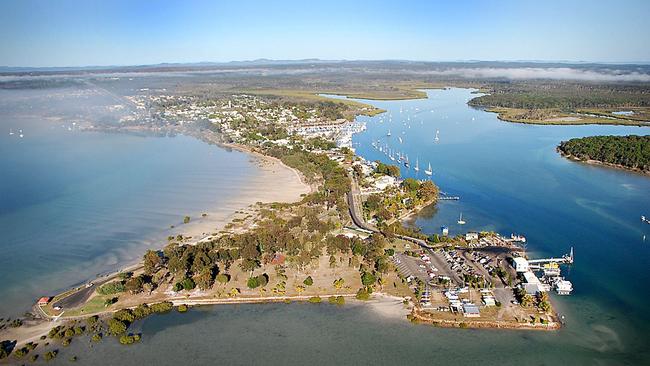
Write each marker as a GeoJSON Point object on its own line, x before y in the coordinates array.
{"type": "Point", "coordinates": [602, 163]}
{"type": "Point", "coordinates": [289, 186]}
{"type": "Point", "coordinates": [417, 316]}
{"type": "Point", "coordinates": [383, 304]}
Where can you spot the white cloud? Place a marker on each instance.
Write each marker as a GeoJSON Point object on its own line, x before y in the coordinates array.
{"type": "Point", "coordinates": [556, 73]}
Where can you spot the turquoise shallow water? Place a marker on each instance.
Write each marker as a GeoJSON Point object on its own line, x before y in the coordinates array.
{"type": "Point", "coordinates": [74, 204]}
{"type": "Point", "coordinates": [511, 180]}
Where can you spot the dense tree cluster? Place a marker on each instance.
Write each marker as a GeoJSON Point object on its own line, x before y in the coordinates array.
{"type": "Point", "coordinates": [387, 169]}
{"type": "Point", "coordinates": [563, 95]}
{"type": "Point", "coordinates": [632, 152]}
{"type": "Point", "coordinates": [395, 201]}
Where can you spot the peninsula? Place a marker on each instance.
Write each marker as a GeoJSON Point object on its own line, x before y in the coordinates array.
{"type": "Point", "coordinates": [343, 240]}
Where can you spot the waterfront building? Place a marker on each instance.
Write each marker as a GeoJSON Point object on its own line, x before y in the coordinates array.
{"type": "Point", "coordinates": [470, 311]}
{"type": "Point", "coordinates": [521, 264]}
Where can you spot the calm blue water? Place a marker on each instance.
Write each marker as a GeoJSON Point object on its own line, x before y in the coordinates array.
{"type": "Point", "coordinates": [511, 180]}
{"type": "Point", "coordinates": [74, 204]}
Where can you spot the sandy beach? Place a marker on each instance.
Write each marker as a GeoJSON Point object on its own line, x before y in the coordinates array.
{"type": "Point", "coordinates": [275, 182]}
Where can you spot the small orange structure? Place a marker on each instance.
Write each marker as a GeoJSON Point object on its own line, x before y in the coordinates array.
{"type": "Point", "coordinates": [44, 300]}
{"type": "Point", "coordinates": [278, 258]}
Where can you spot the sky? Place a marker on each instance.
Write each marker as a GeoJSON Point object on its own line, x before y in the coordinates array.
{"type": "Point", "coordinates": [40, 33]}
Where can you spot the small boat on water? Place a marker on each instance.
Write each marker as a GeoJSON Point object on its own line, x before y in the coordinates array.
{"type": "Point", "coordinates": [400, 139]}
{"type": "Point", "coordinates": [388, 134]}
{"type": "Point", "coordinates": [644, 219]}
{"type": "Point", "coordinates": [11, 132]}
{"type": "Point", "coordinates": [428, 171]}
{"type": "Point", "coordinates": [406, 162]}
{"type": "Point", "coordinates": [460, 219]}
{"type": "Point", "coordinates": [437, 138]}
{"type": "Point", "coordinates": [417, 165]}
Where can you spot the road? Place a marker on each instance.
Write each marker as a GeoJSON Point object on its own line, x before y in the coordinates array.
{"type": "Point", "coordinates": [79, 297]}
{"type": "Point", "coordinates": [356, 212]}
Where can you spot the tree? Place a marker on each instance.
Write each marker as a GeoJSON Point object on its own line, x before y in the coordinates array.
{"type": "Point", "coordinates": [186, 284]}
{"type": "Point", "coordinates": [338, 284]}
{"type": "Point", "coordinates": [5, 348]}
{"type": "Point", "coordinates": [363, 294]}
{"type": "Point", "coordinates": [152, 261]}
{"type": "Point", "coordinates": [205, 279]}
{"type": "Point", "coordinates": [223, 278]}
{"type": "Point", "coordinates": [368, 279]}
{"type": "Point", "coordinates": [308, 281]}
{"type": "Point", "coordinates": [161, 307]}
{"type": "Point", "coordinates": [249, 265]}
{"type": "Point", "coordinates": [253, 282]}
{"type": "Point", "coordinates": [410, 184]}
{"type": "Point", "coordinates": [141, 311]}
{"type": "Point", "coordinates": [300, 289]}
{"type": "Point", "coordinates": [332, 261]}
{"type": "Point", "coordinates": [427, 191]}
{"type": "Point", "coordinates": [124, 315]}
{"type": "Point", "coordinates": [134, 284]}
{"type": "Point", "coordinates": [116, 327]}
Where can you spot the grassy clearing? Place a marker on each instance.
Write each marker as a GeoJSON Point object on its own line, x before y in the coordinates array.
{"type": "Point", "coordinates": [92, 306]}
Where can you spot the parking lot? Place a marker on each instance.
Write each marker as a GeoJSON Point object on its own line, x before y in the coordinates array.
{"type": "Point", "coordinates": [428, 267]}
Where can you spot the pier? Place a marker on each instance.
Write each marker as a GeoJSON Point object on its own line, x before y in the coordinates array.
{"type": "Point", "coordinates": [565, 259]}
{"type": "Point", "coordinates": [449, 198]}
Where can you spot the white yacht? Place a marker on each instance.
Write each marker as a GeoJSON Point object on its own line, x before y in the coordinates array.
{"type": "Point", "coordinates": [417, 165]}
{"type": "Point", "coordinates": [428, 171]}
{"type": "Point", "coordinates": [437, 138]}
{"type": "Point", "coordinates": [460, 219]}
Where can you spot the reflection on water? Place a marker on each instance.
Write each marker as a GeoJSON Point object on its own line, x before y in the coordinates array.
{"type": "Point", "coordinates": [75, 204]}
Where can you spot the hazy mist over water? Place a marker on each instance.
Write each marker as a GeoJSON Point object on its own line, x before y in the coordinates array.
{"type": "Point", "coordinates": [74, 204]}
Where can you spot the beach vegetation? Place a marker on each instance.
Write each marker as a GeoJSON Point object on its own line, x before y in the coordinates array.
{"type": "Point", "coordinates": [116, 327]}
{"type": "Point", "coordinates": [161, 307]}
{"type": "Point", "coordinates": [363, 294]}
{"type": "Point", "coordinates": [129, 339]}
{"type": "Point", "coordinates": [315, 299]}
{"type": "Point", "coordinates": [50, 355]}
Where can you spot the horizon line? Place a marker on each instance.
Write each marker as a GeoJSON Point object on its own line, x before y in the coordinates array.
{"type": "Point", "coordinates": [262, 60]}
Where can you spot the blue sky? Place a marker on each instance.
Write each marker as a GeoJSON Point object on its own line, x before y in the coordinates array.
{"type": "Point", "coordinates": [121, 32]}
